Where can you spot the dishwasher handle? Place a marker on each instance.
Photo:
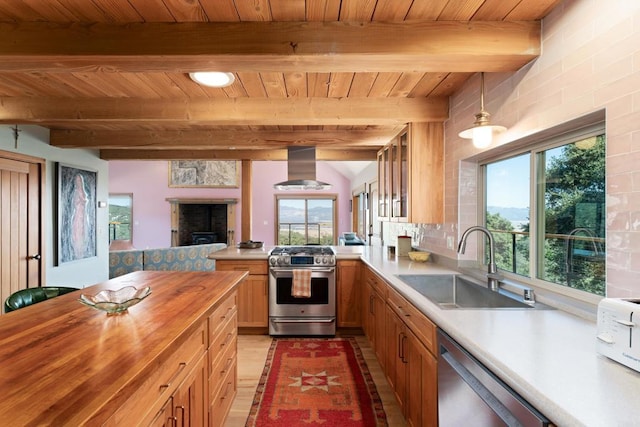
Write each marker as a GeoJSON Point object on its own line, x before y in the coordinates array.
{"type": "Point", "coordinates": [476, 385]}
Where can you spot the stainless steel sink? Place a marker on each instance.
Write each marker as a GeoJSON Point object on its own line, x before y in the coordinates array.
{"type": "Point", "coordinates": [451, 291]}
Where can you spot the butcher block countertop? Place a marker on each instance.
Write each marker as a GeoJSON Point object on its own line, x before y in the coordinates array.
{"type": "Point", "coordinates": [64, 363]}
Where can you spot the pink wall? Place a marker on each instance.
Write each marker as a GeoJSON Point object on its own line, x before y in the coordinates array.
{"type": "Point", "coordinates": [265, 174]}
{"type": "Point", "coordinates": [590, 62]}
{"type": "Point", "coordinates": [148, 181]}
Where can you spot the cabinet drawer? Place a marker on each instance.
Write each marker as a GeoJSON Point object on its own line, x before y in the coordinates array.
{"type": "Point", "coordinates": [163, 379]}
{"type": "Point", "coordinates": [419, 324]}
{"type": "Point", "coordinates": [218, 319]}
{"type": "Point", "coordinates": [226, 338]}
{"type": "Point", "coordinates": [220, 368]}
{"type": "Point", "coordinates": [221, 403]}
{"type": "Point", "coordinates": [376, 282]}
{"type": "Point", "coordinates": [253, 267]}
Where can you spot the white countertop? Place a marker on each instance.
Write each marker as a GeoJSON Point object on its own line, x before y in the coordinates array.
{"type": "Point", "coordinates": [547, 356]}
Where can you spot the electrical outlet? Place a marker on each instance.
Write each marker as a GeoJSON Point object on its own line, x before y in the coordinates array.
{"type": "Point", "coordinates": [449, 242]}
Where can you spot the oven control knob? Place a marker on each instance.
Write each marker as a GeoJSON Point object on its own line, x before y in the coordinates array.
{"type": "Point", "coordinates": [272, 261]}
{"type": "Point", "coordinates": [325, 260]}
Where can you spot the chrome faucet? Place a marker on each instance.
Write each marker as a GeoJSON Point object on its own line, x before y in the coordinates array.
{"type": "Point", "coordinates": [492, 269]}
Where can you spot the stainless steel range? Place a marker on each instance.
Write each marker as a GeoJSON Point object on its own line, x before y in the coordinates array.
{"type": "Point", "coordinates": [294, 315]}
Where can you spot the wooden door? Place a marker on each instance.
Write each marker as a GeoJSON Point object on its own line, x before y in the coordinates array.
{"type": "Point", "coordinates": [379, 327]}
{"type": "Point", "coordinates": [348, 285]}
{"type": "Point", "coordinates": [253, 302]}
{"type": "Point", "coordinates": [422, 384]}
{"type": "Point", "coordinates": [190, 401]}
{"type": "Point", "coordinates": [21, 261]}
{"type": "Point", "coordinates": [396, 356]}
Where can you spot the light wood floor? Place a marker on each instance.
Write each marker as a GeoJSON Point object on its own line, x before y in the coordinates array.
{"type": "Point", "coordinates": [252, 354]}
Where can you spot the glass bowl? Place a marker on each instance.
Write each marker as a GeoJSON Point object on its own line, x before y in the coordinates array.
{"type": "Point", "coordinates": [419, 256]}
{"type": "Point", "coordinates": [115, 302]}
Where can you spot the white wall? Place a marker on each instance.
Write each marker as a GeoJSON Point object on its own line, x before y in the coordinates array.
{"type": "Point", "coordinates": [34, 141]}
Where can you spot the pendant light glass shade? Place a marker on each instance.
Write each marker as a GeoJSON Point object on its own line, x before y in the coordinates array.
{"type": "Point", "coordinates": [482, 131]}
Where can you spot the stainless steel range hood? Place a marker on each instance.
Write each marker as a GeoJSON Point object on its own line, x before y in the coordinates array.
{"type": "Point", "coordinates": [301, 171]}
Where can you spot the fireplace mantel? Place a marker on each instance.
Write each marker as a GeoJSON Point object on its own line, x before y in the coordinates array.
{"type": "Point", "coordinates": [202, 201]}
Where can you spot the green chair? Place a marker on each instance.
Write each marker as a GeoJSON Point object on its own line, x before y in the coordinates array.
{"type": "Point", "coordinates": [31, 296]}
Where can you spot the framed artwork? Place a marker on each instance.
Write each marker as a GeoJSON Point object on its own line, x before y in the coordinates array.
{"type": "Point", "coordinates": [77, 202]}
{"type": "Point", "coordinates": [204, 173]}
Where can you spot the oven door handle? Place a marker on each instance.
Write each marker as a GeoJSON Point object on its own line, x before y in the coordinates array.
{"type": "Point", "coordinates": [290, 270]}
{"type": "Point", "coordinates": [303, 320]}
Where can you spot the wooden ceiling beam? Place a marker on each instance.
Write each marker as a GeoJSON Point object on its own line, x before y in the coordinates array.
{"type": "Point", "coordinates": [407, 46]}
{"type": "Point", "coordinates": [223, 111]}
{"type": "Point", "coordinates": [219, 138]}
{"type": "Point", "coordinates": [280, 154]}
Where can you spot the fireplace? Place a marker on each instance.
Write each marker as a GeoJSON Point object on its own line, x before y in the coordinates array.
{"type": "Point", "coordinates": [204, 237]}
{"type": "Point", "coordinates": [201, 221]}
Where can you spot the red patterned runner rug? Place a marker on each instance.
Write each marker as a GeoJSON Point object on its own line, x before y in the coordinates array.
{"type": "Point", "coordinates": [316, 382]}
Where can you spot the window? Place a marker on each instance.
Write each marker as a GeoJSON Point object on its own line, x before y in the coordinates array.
{"type": "Point", "coordinates": [306, 220]}
{"type": "Point", "coordinates": [120, 214]}
{"type": "Point", "coordinates": [546, 209]}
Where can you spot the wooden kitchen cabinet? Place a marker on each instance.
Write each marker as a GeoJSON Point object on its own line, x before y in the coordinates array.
{"type": "Point", "coordinates": [422, 385]}
{"type": "Point", "coordinates": [412, 364]}
{"type": "Point", "coordinates": [253, 293]}
{"type": "Point", "coordinates": [348, 293]}
{"type": "Point", "coordinates": [396, 355]}
{"type": "Point", "coordinates": [411, 175]}
{"type": "Point", "coordinates": [373, 305]}
{"type": "Point", "coordinates": [222, 361]}
{"type": "Point", "coordinates": [149, 366]}
{"type": "Point", "coordinates": [392, 179]}
{"type": "Point", "coordinates": [191, 397]}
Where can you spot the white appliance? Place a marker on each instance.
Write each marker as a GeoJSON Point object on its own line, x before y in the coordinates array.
{"type": "Point", "coordinates": [618, 335]}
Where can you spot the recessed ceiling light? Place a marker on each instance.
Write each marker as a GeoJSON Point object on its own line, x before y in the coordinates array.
{"type": "Point", "coordinates": [213, 78]}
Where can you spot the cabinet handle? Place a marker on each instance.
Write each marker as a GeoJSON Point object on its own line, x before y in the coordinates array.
{"type": "Point", "coordinates": [227, 340]}
{"type": "Point", "coordinates": [400, 346]}
{"type": "Point", "coordinates": [226, 392]}
{"type": "Point", "coordinates": [180, 408]}
{"type": "Point", "coordinates": [172, 379]}
{"type": "Point", "coordinates": [224, 316]}
{"type": "Point", "coordinates": [371, 304]}
{"type": "Point", "coordinates": [227, 365]}
{"type": "Point", "coordinates": [404, 359]}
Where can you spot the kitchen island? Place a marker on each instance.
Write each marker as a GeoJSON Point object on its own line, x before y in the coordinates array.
{"type": "Point", "coordinates": [548, 356]}
{"type": "Point", "coordinates": [64, 363]}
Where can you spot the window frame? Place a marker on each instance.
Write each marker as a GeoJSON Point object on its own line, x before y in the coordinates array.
{"type": "Point", "coordinates": [329, 196]}
{"type": "Point", "coordinates": [535, 145]}
{"type": "Point", "coordinates": [129, 197]}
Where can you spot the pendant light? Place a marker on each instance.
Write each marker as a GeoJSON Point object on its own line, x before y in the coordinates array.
{"type": "Point", "coordinates": [482, 131]}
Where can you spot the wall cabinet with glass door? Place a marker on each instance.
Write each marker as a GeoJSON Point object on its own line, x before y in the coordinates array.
{"type": "Point", "coordinates": [410, 175]}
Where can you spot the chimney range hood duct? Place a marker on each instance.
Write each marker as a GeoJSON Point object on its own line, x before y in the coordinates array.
{"type": "Point", "coordinates": [301, 171]}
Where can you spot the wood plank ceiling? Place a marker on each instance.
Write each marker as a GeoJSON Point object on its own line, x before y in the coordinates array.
{"type": "Point", "coordinates": [342, 75]}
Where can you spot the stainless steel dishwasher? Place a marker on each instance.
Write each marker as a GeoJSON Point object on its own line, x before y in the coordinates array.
{"type": "Point", "coordinates": [470, 395]}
